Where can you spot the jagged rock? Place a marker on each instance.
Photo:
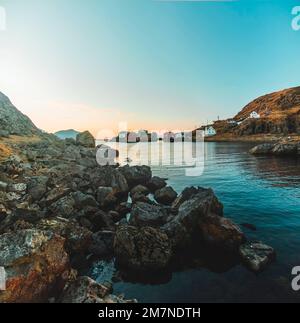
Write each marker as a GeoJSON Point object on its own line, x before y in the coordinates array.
{"type": "Point", "coordinates": [102, 243]}
{"type": "Point", "coordinates": [85, 139]}
{"type": "Point", "coordinates": [63, 207]}
{"type": "Point", "coordinates": [145, 214]}
{"type": "Point", "coordinates": [186, 194]}
{"type": "Point", "coordinates": [56, 194]}
{"type": "Point", "coordinates": [35, 262]}
{"type": "Point", "coordinates": [222, 233]}
{"type": "Point", "coordinates": [108, 176]}
{"type": "Point", "coordinates": [285, 149]}
{"type": "Point", "coordinates": [78, 239]}
{"type": "Point", "coordinates": [82, 200]}
{"type": "Point", "coordinates": [257, 255]}
{"type": "Point", "coordinates": [143, 248]}
{"type": "Point", "coordinates": [13, 122]}
{"type": "Point", "coordinates": [156, 183]}
{"type": "Point", "coordinates": [262, 149]}
{"type": "Point", "coordinates": [86, 290]}
{"type": "Point", "coordinates": [165, 195]}
{"type": "Point", "coordinates": [140, 189]}
{"type": "Point", "coordinates": [201, 217]}
{"type": "Point", "coordinates": [136, 175]}
{"type": "Point", "coordinates": [37, 187]}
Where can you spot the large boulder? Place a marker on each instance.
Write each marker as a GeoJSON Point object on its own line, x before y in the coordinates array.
{"type": "Point", "coordinates": [262, 149]}
{"type": "Point", "coordinates": [85, 139]}
{"type": "Point", "coordinates": [201, 217]}
{"type": "Point", "coordinates": [256, 255]}
{"type": "Point", "coordinates": [145, 214]}
{"type": "Point", "coordinates": [78, 239]}
{"type": "Point", "coordinates": [165, 195]}
{"type": "Point", "coordinates": [285, 149]}
{"type": "Point", "coordinates": [142, 249]}
{"type": "Point", "coordinates": [156, 183]}
{"type": "Point", "coordinates": [35, 263]}
{"type": "Point", "coordinates": [136, 175]}
{"type": "Point", "coordinates": [86, 290]}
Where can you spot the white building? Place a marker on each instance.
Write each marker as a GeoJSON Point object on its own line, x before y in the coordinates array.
{"type": "Point", "coordinates": [210, 131]}
{"type": "Point", "coordinates": [254, 115]}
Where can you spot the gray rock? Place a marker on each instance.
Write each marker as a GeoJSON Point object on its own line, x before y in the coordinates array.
{"type": "Point", "coordinates": [85, 139]}
{"type": "Point", "coordinates": [139, 189]}
{"type": "Point", "coordinates": [144, 214]}
{"type": "Point", "coordinates": [35, 262]}
{"type": "Point", "coordinates": [105, 196]}
{"type": "Point", "coordinates": [285, 149]}
{"type": "Point", "coordinates": [37, 187]}
{"type": "Point", "coordinates": [136, 175]}
{"type": "Point", "coordinates": [165, 195]}
{"type": "Point", "coordinates": [3, 186]}
{"type": "Point", "coordinates": [86, 290]}
{"type": "Point", "coordinates": [142, 249]}
{"type": "Point", "coordinates": [262, 149]}
{"type": "Point", "coordinates": [156, 183]}
{"type": "Point", "coordinates": [82, 200]}
{"type": "Point", "coordinates": [63, 207]}
{"type": "Point", "coordinates": [257, 255]}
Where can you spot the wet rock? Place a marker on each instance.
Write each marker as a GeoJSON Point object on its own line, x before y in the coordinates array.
{"type": "Point", "coordinates": [285, 149]}
{"type": "Point", "coordinates": [142, 249]}
{"type": "Point", "coordinates": [185, 195]}
{"type": "Point", "coordinates": [145, 214]}
{"type": "Point", "coordinates": [78, 239]}
{"type": "Point", "coordinates": [37, 187]}
{"type": "Point", "coordinates": [86, 290]}
{"type": "Point", "coordinates": [102, 243]}
{"type": "Point", "coordinates": [165, 195]}
{"type": "Point", "coordinates": [156, 183]}
{"type": "Point", "coordinates": [221, 233]}
{"type": "Point", "coordinates": [187, 223]}
{"type": "Point", "coordinates": [262, 149]}
{"type": "Point", "coordinates": [136, 175]}
{"type": "Point", "coordinates": [85, 139]}
{"type": "Point", "coordinates": [257, 255]}
{"type": "Point", "coordinates": [35, 262]}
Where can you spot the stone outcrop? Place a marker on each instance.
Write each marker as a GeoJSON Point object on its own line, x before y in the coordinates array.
{"type": "Point", "coordinates": [143, 248]}
{"type": "Point", "coordinates": [35, 263]}
{"type": "Point", "coordinates": [85, 139]}
{"type": "Point", "coordinates": [282, 148]}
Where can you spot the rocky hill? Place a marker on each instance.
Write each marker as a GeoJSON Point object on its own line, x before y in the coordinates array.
{"type": "Point", "coordinates": [13, 122]}
{"type": "Point", "coordinates": [279, 115]}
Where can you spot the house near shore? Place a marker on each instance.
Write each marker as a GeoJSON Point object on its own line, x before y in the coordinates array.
{"type": "Point", "coordinates": [169, 136]}
{"type": "Point", "coordinates": [254, 115]}
{"type": "Point", "coordinates": [210, 131]}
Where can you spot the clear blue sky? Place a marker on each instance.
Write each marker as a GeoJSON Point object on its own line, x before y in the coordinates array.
{"type": "Point", "coordinates": [156, 64]}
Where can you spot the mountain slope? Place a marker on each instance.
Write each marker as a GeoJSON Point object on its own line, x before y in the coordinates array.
{"type": "Point", "coordinates": [279, 115]}
{"type": "Point", "coordinates": [13, 122]}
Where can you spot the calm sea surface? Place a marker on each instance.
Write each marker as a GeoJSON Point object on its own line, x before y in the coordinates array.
{"type": "Point", "coordinates": [264, 191]}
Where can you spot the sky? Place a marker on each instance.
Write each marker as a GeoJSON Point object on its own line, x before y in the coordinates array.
{"type": "Point", "coordinates": [151, 64]}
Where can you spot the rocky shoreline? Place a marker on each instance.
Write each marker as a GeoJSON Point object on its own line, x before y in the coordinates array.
{"type": "Point", "coordinates": [284, 147]}
{"type": "Point", "coordinates": [59, 208]}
